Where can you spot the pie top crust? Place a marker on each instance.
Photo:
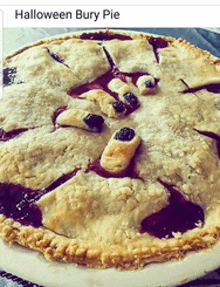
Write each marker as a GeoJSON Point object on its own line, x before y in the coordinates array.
{"type": "Point", "coordinates": [103, 133]}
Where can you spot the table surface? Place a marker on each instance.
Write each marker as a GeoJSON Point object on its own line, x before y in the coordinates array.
{"type": "Point", "coordinates": [207, 39]}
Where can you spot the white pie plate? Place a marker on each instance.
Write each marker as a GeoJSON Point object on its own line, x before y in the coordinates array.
{"type": "Point", "coordinates": [31, 266]}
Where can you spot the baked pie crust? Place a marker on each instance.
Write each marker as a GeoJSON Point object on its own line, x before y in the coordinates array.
{"type": "Point", "coordinates": [110, 148]}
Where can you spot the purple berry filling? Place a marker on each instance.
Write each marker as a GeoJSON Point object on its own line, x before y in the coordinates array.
{"type": "Point", "coordinates": [99, 83]}
{"type": "Point", "coordinates": [56, 57]}
{"type": "Point", "coordinates": [9, 75]}
{"type": "Point", "coordinates": [102, 83]}
{"type": "Point", "coordinates": [129, 172]}
{"type": "Point", "coordinates": [209, 134]}
{"type": "Point", "coordinates": [62, 180]}
{"type": "Point", "coordinates": [179, 216]}
{"type": "Point", "coordinates": [185, 83]}
{"type": "Point", "coordinates": [101, 36]}
{"type": "Point", "coordinates": [19, 202]}
{"type": "Point", "coordinates": [110, 60]}
{"type": "Point", "coordinates": [212, 88]}
{"type": "Point", "coordinates": [57, 113]}
{"type": "Point", "coordinates": [212, 136]}
{"type": "Point", "coordinates": [157, 43]}
{"type": "Point", "coordinates": [5, 136]}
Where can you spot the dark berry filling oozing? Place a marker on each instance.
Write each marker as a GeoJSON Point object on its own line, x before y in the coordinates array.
{"type": "Point", "coordinates": [125, 134]}
{"type": "Point", "coordinates": [56, 57]}
{"type": "Point", "coordinates": [179, 216]}
{"type": "Point", "coordinates": [102, 82]}
{"type": "Point", "coordinates": [57, 113]}
{"type": "Point", "coordinates": [110, 60]}
{"type": "Point", "coordinates": [9, 75]}
{"type": "Point", "coordinates": [99, 83]}
{"type": "Point", "coordinates": [62, 180]}
{"type": "Point", "coordinates": [213, 136]}
{"type": "Point", "coordinates": [185, 83]}
{"type": "Point", "coordinates": [209, 134]}
{"type": "Point", "coordinates": [5, 136]}
{"type": "Point", "coordinates": [157, 43]}
{"type": "Point", "coordinates": [18, 202]}
{"type": "Point", "coordinates": [101, 36]}
{"type": "Point", "coordinates": [130, 171]}
{"type": "Point", "coordinates": [212, 88]}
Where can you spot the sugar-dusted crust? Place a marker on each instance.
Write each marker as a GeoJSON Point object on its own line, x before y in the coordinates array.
{"type": "Point", "coordinates": [96, 220]}
{"type": "Point", "coordinates": [133, 255]}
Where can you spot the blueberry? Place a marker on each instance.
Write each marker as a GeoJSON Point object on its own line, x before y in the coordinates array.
{"type": "Point", "coordinates": [94, 122]}
{"type": "Point", "coordinates": [125, 134]}
{"type": "Point", "coordinates": [9, 75]}
{"type": "Point", "coordinates": [149, 84]}
{"type": "Point", "coordinates": [119, 106]}
{"type": "Point", "coordinates": [131, 99]}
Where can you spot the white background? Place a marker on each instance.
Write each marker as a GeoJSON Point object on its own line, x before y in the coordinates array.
{"type": "Point", "coordinates": [130, 16]}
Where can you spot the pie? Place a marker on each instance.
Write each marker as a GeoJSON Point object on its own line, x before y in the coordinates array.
{"type": "Point", "coordinates": [110, 148]}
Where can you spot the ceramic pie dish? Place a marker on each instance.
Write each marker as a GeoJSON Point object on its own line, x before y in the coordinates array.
{"type": "Point", "coordinates": [34, 268]}
{"type": "Point", "coordinates": [109, 149]}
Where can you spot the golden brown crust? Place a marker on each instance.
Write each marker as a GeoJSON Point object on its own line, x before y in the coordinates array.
{"type": "Point", "coordinates": [118, 154]}
{"type": "Point", "coordinates": [131, 256]}
{"type": "Point", "coordinates": [172, 150]}
{"type": "Point", "coordinates": [61, 38]}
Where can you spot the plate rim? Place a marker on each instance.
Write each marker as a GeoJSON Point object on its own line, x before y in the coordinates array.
{"type": "Point", "coordinates": [48, 273]}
